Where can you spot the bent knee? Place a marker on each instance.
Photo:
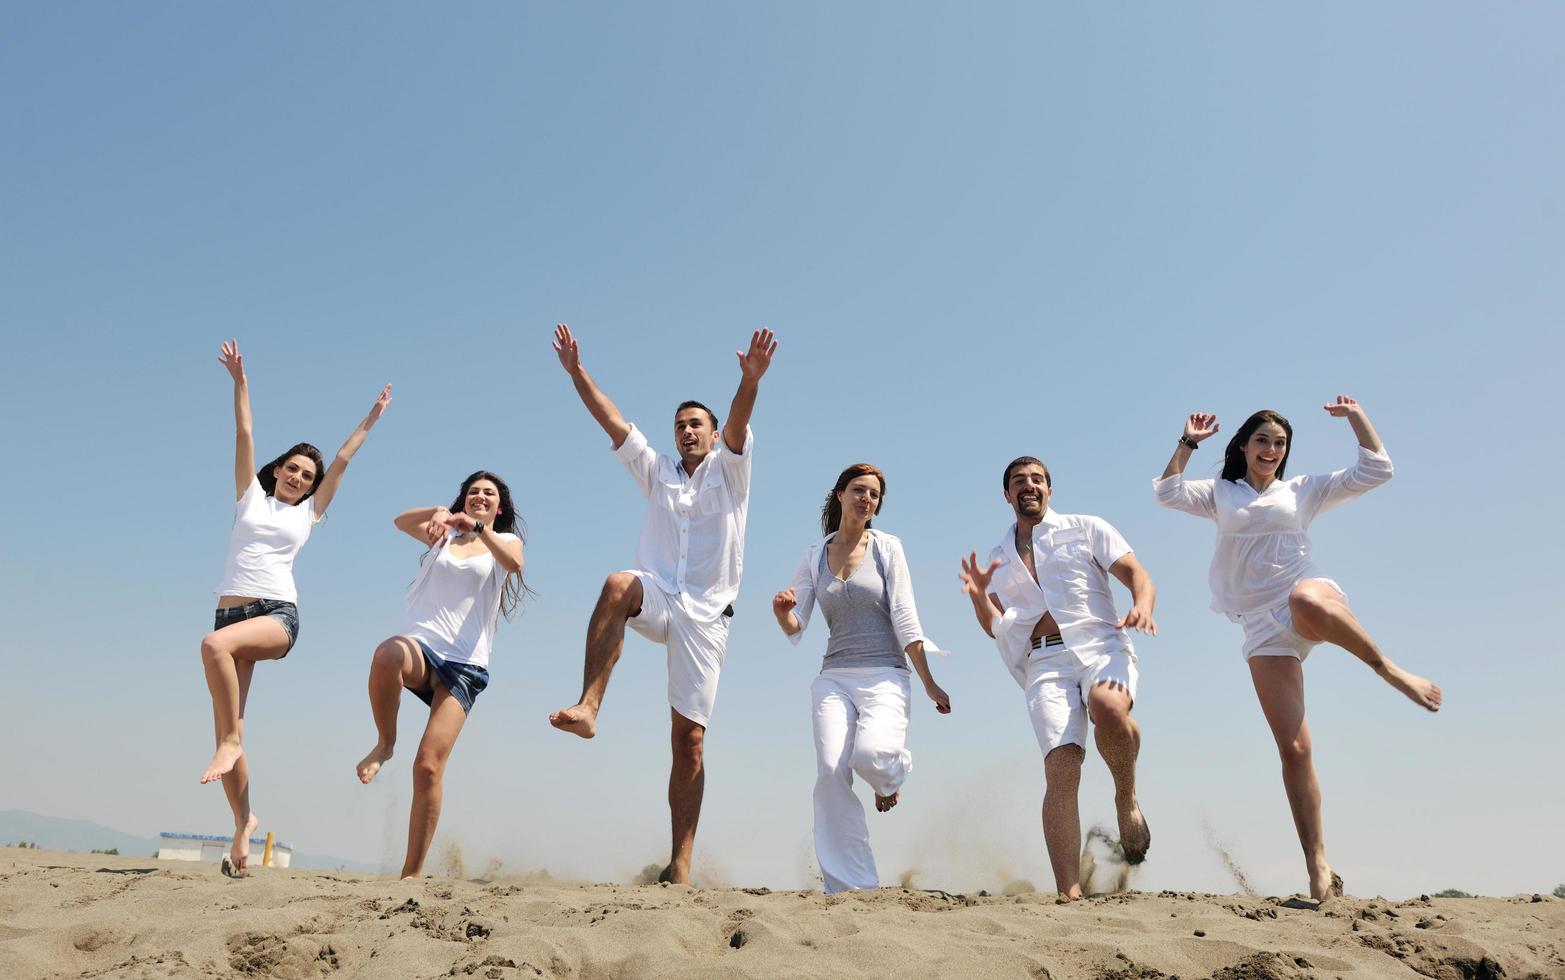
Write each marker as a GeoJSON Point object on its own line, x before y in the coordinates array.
{"type": "Point", "coordinates": [428, 767]}
{"type": "Point", "coordinates": [1310, 600]}
{"type": "Point", "coordinates": [1108, 704]}
{"type": "Point", "coordinates": [391, 654]}
{"type": "Point", "coordinates": [212, 647]}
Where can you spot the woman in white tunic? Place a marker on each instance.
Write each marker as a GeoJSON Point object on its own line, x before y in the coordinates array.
{"type": "Point", "coordinates": [257, 618]}
{"type": "Point", "coordinates": [859, 577]}
{"type": "Point", "coordinates": [471, 573]}
{"type": "Point", "coordinates": [1262, 578]}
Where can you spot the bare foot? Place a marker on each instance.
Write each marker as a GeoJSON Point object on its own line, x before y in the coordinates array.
{"type": "Point", "coordinates": [1325, 883]}
{"type": "Point", "coordinates": [579, 719]}
{"type": "Point", "coordinates": [675, 876]}
{"type": "Point", "coordinates": [884, 803]}
{"type": "Point", "coordinates": [1135, 837]}
{"type": "Point", "coordinates": [370, 764]}
{"type": "Point", "coordinates": [239, 854]}
{"type": "Point", "coordinates": [1422, 692]}
{"type": "Point", "coordinates": [228, 752]}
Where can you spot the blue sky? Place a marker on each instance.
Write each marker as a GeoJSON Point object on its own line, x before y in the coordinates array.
{"type": "Point", "coordinates": [1020, 228]}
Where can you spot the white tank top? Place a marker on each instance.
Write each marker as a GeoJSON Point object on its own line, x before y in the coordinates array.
{"type": "Point", "coordinates": [454, 604]}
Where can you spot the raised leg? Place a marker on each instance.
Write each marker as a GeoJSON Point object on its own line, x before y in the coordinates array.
{"type": "Point", "coordinates": [1061, 822]}
{"type": "Point", "coordinates": [1321, 615]}
{"type": "Point", "coordinates": [398, 663]}
{"type": "Point", "coordinates": [1119, 742]}
{"type": "Point", "coordinates": [686, 786]}
{"type": "Point", "coordinates": [619, 601]}
{"type": "Point", "coordinates": [879, 749]}
{"type": "Point", "coordinates": [261, 638]}
{"type": "Point", "coordinates": [1279, 684]}
{"type": "Point", "coordinates": [446, 719]}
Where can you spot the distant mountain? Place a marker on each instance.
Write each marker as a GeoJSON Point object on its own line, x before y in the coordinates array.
{"type": "Point", "coordinates": [65, 834]}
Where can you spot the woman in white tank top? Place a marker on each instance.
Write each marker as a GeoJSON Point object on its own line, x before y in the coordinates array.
{"type": "Point", "coordinates": [470, 575]}
{"type": "Point", "coordinates": [257, 617]}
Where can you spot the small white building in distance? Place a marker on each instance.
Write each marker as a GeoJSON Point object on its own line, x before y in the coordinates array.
{"type": "Point", "coordinates": [212, 847]}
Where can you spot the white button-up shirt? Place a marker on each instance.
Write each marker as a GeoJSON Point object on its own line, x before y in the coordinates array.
{"type": "Point", "coordinates": [1072, 553]}
{"type": "Point", "coordinates": [692, 542]}
{"type": "Point", "coordinates": [1262, 549]}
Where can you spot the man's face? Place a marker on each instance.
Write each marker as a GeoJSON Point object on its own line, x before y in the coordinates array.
{"type": "Point", "coordinates": [693, 435]}
{"type": "Point", "coordinates": [1028, 492]}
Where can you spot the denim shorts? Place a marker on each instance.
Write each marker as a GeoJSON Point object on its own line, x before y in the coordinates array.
{"type": "Point", "coordinates": [464, 681]}
{"type": "Point", "coordinates": [285, 613]}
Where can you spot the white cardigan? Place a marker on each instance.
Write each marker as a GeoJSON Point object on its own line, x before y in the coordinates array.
{"type": "Point", "coordinates": [885, 550]}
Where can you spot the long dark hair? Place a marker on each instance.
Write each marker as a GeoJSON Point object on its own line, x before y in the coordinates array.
{"type": "Point", "coordinates": [831, 512]}
{"type": "Point", "coordinates": [1234, 466]}
{"type": "Point", "coordinates": [506, 522]}
{"type": "Point", "coordinates": [268, 480]}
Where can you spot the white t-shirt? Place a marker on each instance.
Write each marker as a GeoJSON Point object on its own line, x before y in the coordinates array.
{"type": "Point", "coordinates": [454, 603]}
{"type": "Point", "coordinates": [1262, 547]}
{"type": "Point", "coordinates": [692, 543]}
{"type": "Point", "coordinates": [267, 535]}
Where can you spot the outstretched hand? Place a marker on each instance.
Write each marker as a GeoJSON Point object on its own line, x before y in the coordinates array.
{"type": "Point", "coordinates": [566, 348]}
{"type": "Point", "coordinates": [975, 580]}
{"type": "Point", "coordinates": [379, 408]}
{"type": "Point", "coordinates": [231, 359]}
{"type": "Point", "coordinates": [754, 362]}
{"type": "Point", "coordinates": [1342, 407]}
{"type": "Point", "coordinates": [1138, 619]}
{"type": "Point", "coordinates": [1200, 426]}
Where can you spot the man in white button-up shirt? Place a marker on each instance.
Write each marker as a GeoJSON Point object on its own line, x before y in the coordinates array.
{"type": "Point", "coordinates": [688, 563]}
{"type": "Point", "coordinates": [1045, 598]}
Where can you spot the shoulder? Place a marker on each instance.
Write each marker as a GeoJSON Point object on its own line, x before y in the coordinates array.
{"type": "Point", "coordinates": [885, 540]}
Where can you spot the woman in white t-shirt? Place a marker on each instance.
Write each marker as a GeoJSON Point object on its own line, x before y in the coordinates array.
{"type": "Point", "coordinates": [470, 574]}
{"type": "Point", "coordinates": [1262, 578]}
{"type": "Point", "coordinates": [257, 616]}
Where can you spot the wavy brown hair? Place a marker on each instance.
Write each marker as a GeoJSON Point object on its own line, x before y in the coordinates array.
{"type": "Point", "coordinates": [831, 511]}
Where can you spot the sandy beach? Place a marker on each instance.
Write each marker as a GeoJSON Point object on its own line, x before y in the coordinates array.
{"type": "Point", "coordinates": [78, 915]}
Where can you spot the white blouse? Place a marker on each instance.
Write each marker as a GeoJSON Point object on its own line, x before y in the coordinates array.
{"type": "Point", "coordinates": [1262, 548]}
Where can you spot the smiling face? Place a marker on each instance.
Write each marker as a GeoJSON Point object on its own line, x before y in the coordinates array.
{"type": "Point", "coordinates": [1027, 490]}
{"type": "Point", "coordinates": [860, 499]}
{"type": "Point", "coordinates": [295, 477]}
{"type": "Point", "coordinates": [694, 435]}
{"type": "Point", "coordinates": [482, 502]}
{"type": "Point", "coordinates": [1265, 452]}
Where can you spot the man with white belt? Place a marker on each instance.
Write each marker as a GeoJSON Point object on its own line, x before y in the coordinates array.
{"type": "Point", "coordinates": [686, 578]}
{"type": "Point", "coordinates": [1045, 598]}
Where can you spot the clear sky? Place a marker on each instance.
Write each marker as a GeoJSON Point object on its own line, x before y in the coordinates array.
{"type": "Point", "coordinates": [978, 232]}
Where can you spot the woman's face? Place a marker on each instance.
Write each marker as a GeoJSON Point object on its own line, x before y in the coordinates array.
{"type": "Point", "coordinates": [295, 476]}
{"type": "Point", "coordinates": [482, 502]}
{"type": "Point", "coordinates": [860, 498]}
{"type": "Point", "coordinates": [1267, 448]}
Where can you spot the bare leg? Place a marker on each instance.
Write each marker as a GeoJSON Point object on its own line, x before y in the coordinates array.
{"type": "Point", "coordinates": [686, 785]}
{"type": "Point", "coordinates": [262, 638]}
{"type": "Point", "coordinates": [619, 601]}
{"type": "Point", "coordinates": [446, 719]}
{"type": "Point", "coordinates": [236, 781]}
{"type": "Point", "coordinates": [1320, 614]}
{"type": "Point", "coordinates": [1061, 822]}
{"type": "Point", "coordinates": [1119, 742]}
{"type": "Point", "coordinates": [398, 664]}
{"type": "Point", "coordinates": [1279, 683]}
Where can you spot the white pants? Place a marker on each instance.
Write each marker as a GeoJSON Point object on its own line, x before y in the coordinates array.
{"type": "Point", "coordinates": [860, 727]}
{"type": "Point", "coordinates": [695, 649]}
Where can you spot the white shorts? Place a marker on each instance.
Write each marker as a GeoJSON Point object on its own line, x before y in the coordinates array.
{"type": "Point", "coordinates": [1270, 632]}
{"type": "Point", "coordinates": [1058, 684]}
{"type": "Point", "coordinates": [695, 649]}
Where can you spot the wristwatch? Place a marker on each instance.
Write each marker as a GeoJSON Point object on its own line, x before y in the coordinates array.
{"type": "Point", "coordinates": [478, 527]}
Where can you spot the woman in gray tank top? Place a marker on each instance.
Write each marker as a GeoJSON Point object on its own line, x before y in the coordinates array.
{"type": "Point", "coordinates": [859, 577]}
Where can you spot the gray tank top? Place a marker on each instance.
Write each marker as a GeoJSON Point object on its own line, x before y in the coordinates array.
{"type": "Point", "coordinates": [858, 614]}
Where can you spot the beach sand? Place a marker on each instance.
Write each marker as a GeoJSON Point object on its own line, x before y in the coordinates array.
{"type": "Point", "coordinates": [78, 915]}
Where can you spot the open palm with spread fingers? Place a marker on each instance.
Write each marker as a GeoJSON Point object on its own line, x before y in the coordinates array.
{"type": "Point", "coordinates": [566, 348]}
{"type": "Point", "coordinates": [379, 408]}
{"type": "Point", "coordinates": [754, 362]}
{"type": "Point", "coordinates": [976, 579]}
{"type": "Point", "coordinates": [231, 359]}
{"type": "Point", "coordinates": [1342, 407]}
{"type": "Point", "coordinates": [1200, 426]}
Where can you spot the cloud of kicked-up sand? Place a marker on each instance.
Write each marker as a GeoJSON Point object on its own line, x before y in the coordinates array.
{"type": "Point", "coordinates": [1227, 858]}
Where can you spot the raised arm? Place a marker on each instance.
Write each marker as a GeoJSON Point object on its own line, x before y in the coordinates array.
{"type": "Point", "coordinates": [339, 465]}
{"type": "Point", "coordinates": [752, 365]}
{"type": "Point", "coordinates": [244, 436]}
{"type": "Point", "coordinates": [1199, 427]}
{"type": "Point", "coordinates": [603, 410]}
{"type": "Point", "coordinates": [1143, 594]}
{"type": "Point", "coordinates": [1347, 408]}
{"type": "Point", "coordinates": [975, 582]}
{"type": "Point", "coordinates": [425, 524]}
